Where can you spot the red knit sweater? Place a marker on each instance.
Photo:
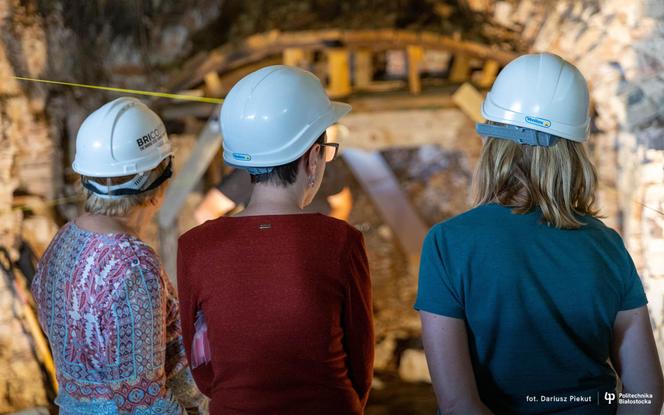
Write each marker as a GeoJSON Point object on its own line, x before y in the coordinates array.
{"type": "Point", "coordinates": [287, 301]}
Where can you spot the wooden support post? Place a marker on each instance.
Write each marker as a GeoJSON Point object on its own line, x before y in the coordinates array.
{"type": "Point", "coordinates": [378, 180]}
{"type": "Point", "coordinates": [415, 56]}
{"type": "Point", "coordinates": [489, 73]}
{"type": "Point", "coordinates": [338, 72]}
{"type": "Point", "coordinates": [207, 145]}
{"type": "Point", "coordinates": [294, 57]}
{"type": "Point", "coordinates": [470, 101]}
{"type": "Point", "coordinates": [363, 68]}
{"type": "Point", "coordinates": [460, 68]}
{"type": "Point", "coordinates": [213, 86]}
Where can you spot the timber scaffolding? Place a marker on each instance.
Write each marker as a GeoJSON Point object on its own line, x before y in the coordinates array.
{"type": "Point", "coordinates": [348, 72]}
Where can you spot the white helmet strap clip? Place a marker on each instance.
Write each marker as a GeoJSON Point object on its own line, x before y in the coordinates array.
{"type": "Point", "coordinates": [517, 134]}
{"type": "Point", "coordinates": [135, 186]}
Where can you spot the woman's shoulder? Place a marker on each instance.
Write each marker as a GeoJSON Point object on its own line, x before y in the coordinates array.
{"type": "Point", "coordinates": [313, 221]}
{"type": "Point", "coordinates": [474, 219]}
{"type": "Point", "coordinates": [116, 250]}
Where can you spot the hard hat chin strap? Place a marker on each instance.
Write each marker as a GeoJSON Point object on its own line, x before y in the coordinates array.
{"type": "Point", "coordinates": [131, 187]}
{"type": "Point", "coordinates": [517, 134]}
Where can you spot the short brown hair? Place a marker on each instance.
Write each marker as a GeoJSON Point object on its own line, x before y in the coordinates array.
{"type": "Point", "coordinates": [560, 180]}
{"type": "Point", "coordinates": [286, 174]}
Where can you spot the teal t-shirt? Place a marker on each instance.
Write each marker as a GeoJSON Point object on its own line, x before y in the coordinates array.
{"type": "Point", "coordinates": [539, 305]}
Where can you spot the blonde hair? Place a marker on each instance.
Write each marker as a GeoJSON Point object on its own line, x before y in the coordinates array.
{"type": "Point", "coordinates": [560, 180]}
{"type": "Point", "coordinates": [123, 205]}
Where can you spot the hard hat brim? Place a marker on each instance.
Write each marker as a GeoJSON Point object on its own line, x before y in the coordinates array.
{"type": "Point", "coordinates": [312, 132]}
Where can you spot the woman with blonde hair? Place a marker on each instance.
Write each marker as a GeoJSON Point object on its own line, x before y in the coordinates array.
{"type": "Point", "coordinates": [529, 303]}
{"type": "Point", "coordinates": [104, 301]}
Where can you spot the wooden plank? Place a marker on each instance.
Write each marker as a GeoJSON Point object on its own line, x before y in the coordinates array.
{"type": "Point", "coordinates": [378, 180]}
{"type": "Point", "coordinates": [294, 57]}
{"type": "Point", "coordinates": [400, 101]}
{"type": "Point", "coordinates": [415, 56]}
{"type": "Point", "coordinates": [488, 75]}
{"type": "Point", "coordinates": [460, 68]}
{"type": "Point", "coordinates": [213, 85]}
{"type": "Point", "coordinates": [363, 69]}
{"type": "Point", "coordinates": [470, 101]}
{"type": "Point", "coordinates": [449, 128]}
{"type": "Point", "coordinates": [263, 45]}
{"type": "Point", "coordinates": [338, 72]}
{"type": "Point", "coordinates": [207, 145]}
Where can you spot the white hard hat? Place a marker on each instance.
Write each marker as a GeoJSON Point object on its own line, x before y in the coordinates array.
{"type": "Point", "coordinates": [122, 138]}
{"type": "Point", "coordinates": [540, 96]}
{"type": "Point", "coordinates": [273, 115]}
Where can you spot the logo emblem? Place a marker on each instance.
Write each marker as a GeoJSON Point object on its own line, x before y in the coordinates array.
{"type": "Point", "coordinates": [540, 122]}
{"type": "Point", "coordinates": [610, 397]}
{"type": "Point", "coordinates": [241, 156]}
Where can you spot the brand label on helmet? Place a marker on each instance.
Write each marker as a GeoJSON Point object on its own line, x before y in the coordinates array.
{"type": "Point", "coordinates": [540, 122]}
{"type": "Point", "coordinates": [150, 138]}
{"type": "Point", "coordinates": [241, 156]}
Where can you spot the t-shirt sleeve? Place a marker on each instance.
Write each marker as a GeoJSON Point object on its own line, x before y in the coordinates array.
{"type": "Point", "coordinates": [436, 292]}
{"type": "Point", "coordinates": [634, 295]}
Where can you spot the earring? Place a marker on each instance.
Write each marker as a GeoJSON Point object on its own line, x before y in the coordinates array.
{"type": "Point", "coordinates": [312, 181]}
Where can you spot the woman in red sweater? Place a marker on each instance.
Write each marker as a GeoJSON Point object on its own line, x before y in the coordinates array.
{"type": "Point", "coordinates": [286, 295]}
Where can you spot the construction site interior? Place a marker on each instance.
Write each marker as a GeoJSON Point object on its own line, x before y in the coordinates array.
{"type": "Point", "coordinates": [415, 72]}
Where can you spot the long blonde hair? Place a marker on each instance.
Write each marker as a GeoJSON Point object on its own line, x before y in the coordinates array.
{"type": "Point", "coordinates": [560, 180]}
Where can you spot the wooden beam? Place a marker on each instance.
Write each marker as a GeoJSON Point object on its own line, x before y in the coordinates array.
{"type": "Point", "coordinates": [449, 128]}
{"type": "Point", "coordinates": [207, 146]}
{"type": "Point", "coordinates": [209, 142]}
{"type": "Point", "coordinates": [488, 74]}
{"type": "Point", "coordinates": [415, 56]}
{"type": "Point", "coordinates": [363, 68]}
{"type": "Point", "coordinates": [460, 68]}
{"type": "Point", "coordinates": [470, 101]}
{"type": "Point", "coordinates": [263, 45]}
{"type": "Point", "coordinates": [338, 72]}
{"type": "Point", "coordinates": [378, 180]}
{"type": "Point", "coordinates": [213, 85]}
{"type": "Point", "coordinates": [400, 101]}
{"type": "Point", "coordinates": [294, 57]}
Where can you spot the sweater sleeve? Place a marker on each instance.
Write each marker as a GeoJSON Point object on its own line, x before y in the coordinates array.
{"type": "Point", "coordinates": [178, 374]}
{"type": "Point", "coordinates": [203, 374]}
{"type": "Point", "coordinates": [358, 319]}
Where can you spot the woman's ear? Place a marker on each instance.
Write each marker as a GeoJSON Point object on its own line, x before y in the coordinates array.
{"type": "Point", "coordinates": [313, 159]}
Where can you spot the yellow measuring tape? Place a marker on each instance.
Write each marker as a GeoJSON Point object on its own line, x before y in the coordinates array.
{"type": "Point", "coordinates": [206, 100]}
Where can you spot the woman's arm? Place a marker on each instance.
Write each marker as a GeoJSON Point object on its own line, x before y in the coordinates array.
{"type": "Point", "coordinates": [178, 374]}
{"type": "Point", "coordinates": [141, 302]}
{"type": "Point", "coordinates": [203, 374]}
{"type": "Point", "coordinates": [446, 347]}
{"type": "Point", "coordinates": [634, 356]}
{"type": "Point", "coordinates": [358, 321]}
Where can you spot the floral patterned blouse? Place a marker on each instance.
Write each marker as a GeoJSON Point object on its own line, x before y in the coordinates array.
{"type": "Point", "coordinates": [111, 317]}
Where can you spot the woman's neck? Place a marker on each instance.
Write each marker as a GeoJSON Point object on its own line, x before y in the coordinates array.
{"type": "Point", "coordinates": [131, 224]}
{"type": "Point", "coordinates": [268, 199]}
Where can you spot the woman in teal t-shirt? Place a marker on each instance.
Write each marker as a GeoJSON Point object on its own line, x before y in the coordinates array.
{"type": "Point", "coordinates": [528, 301]}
